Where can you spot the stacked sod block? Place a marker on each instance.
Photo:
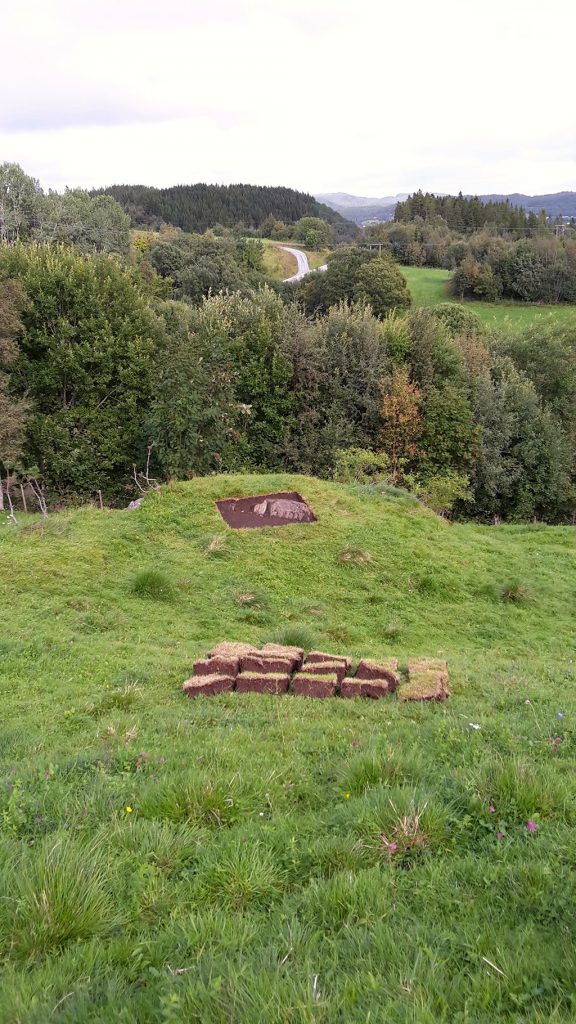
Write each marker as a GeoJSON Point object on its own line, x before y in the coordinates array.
{"type": "Point", "coordinates": [373, 679]}
{"type": "Point", "coordinates": [427, 680]}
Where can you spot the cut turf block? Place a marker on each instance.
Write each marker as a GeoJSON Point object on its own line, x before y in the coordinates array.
{"type": "Point", "coordinates": [321, 668]}
{"type": "Point", "coordinates": [268, 662]}
{"type": "Point", "coordinates": [217, 666]}
{"type": "Point", "coordinates": [366, 687]}
{"type": "Point", "coordinates": [257, 682]}
{"type": "Point", "coordinates": [285, 651]}
{"type": "Point", "coordinates": [385, 669]}
{"type": "Point", "coordinates": [231, 649]}
{"type": "Point", "coordinates": [306, 685]}
{"type": "Point", "coordinates": [428, 665]}
{"type": "Point", "coordinates": [316, 656]}
{"type": "Point", "coordinates": [208, 685]}
{"type": "Point", "coordinates": [424, 686]}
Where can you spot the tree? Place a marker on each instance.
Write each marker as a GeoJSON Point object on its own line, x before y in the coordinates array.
{"type": "Point", "coordinates": [86, 361]}
{"type": "Point", "coordinates": [348, 279]}
{"type": "Point", "coordinates": [90, 223]}
{"type": "Point", "coordinates": [19, 199]}
{"type": "Point", "coordinates": [313, 232]}
{"type": "Point", "coordinates": [381, 283]}
{"type": "Point", "coordinates": [13, 412]}
{"type": "Point", "coordinates": [401, 421]}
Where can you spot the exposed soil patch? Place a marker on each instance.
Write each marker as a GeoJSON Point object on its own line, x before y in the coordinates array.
{"type": "Point", "coordinates": [285, 508]}
{"type": "Point", "coordinates": [208, 685]}
{"type": "Point", "coordinates": [255, 682]}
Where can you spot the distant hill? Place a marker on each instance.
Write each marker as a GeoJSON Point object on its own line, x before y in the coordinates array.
{"type": "Point", "coordinates": [198, 207]}
{"type": "Point", "coordinates": [362, 209]}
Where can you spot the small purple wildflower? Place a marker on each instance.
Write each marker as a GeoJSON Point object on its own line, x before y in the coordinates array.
{"type": "Point", "coordinates": [500, 835]}
{"type": "Point", "coordinates": [559, 714]}
{"type": "Point", "coordinates": [531, 826]}
{"type": "Point", "coordinates": [491, 808]}
{"type": "Point", "coordinates": [392, 847]}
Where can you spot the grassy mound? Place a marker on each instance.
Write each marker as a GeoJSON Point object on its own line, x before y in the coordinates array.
{"type": "Point", "coordinates": [274, 859]}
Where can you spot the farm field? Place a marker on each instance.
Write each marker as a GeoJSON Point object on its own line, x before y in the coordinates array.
{"type": "Point", "coordinates": [277, 859]}
{"type": "Point", "coordinates": [428, 286]}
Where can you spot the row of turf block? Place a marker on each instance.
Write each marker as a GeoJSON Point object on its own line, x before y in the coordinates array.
{"type": "Point", "coordinates": [277, 669]}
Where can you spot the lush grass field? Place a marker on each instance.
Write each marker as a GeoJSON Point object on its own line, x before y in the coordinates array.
{"type": "Point", "coordinates": [429, 286]}
{"type": "Point", "coordinates": [246, 859]}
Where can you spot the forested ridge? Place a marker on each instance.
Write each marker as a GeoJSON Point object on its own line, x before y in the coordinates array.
{"type": "Point", "coordinates": [200, 206]}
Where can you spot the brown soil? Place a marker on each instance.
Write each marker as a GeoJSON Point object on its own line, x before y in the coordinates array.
{"type": "Point", "coordinates": [315, 656]}
{"type": "Point", "coordinates": [255, 682]}
{"type": "Point", "coordinates": [386, 669]}
{"type": "Point", "coordinates": [322, 668]}
{"type": "Point", "coordinates": [366, 687]}
{"type": "Point", "coordinates": [207, 685]}
{"type": "Point", "coordinates": [261, 662]}
{"type": "Point", "coordinates": [285, 508]}
{"type": "Point", "coordinates": [219, 665]}
{"type": "Point", "coordinates": [314, 686]}
{"type": "Point", "coordinates": [296, 653]}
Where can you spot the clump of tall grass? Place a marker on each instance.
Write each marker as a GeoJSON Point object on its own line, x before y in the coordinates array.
{"type": "Point", "coordinates": [153, 585]}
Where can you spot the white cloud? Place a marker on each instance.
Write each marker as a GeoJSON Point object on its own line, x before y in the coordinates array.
{"type": "Point", "coordinates": [367, 97]}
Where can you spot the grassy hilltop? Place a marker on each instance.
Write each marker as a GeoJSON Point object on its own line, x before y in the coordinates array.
{"type": "Point", "coordinates": [265, 859]}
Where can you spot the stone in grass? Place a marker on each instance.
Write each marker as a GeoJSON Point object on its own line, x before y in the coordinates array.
{"type": "Point", "coordinates": [219, 665]}
{"type": "Point", "coordinates": [428, 665]}
{"type": "Point", "coordinates": [320, 668]}
{"type": "Point", "coordinates": [285, 651]}
{"type": "Point", "coordinates": [256, 682]}
{"type": "Point", "coordinates": [366, 687]}
{"type": "Point", "coordinates": [207, 686]}
{"type": "Point", "coordinates": [387, 668]}
{"type": "Point", "coordinates": [231, 649]}
{"type": "Point", "coordinates": [268, 662]}
{"type": "Point", "coordinates": [424, 686]}
{"type": "Point", "coordinates": [322, 656]}
{"type": "Point", "coordinates": [306, 685]}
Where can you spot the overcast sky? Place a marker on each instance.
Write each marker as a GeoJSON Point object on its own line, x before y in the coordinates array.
{"type": "Point", "coordinates": [360, 96]}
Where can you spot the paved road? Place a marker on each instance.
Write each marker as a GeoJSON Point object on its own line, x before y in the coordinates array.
{"type": "Point", "coordinates": [303, 265]}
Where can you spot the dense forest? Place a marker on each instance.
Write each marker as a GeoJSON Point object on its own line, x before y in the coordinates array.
{"type": "Point", "coordinates": [125, 361]}
{"type": "Point", "coordinates": [199, 207]}
{"type": "Point", "coordinates": [496, 250]}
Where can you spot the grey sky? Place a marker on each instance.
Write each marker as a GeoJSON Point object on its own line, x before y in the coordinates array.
{"type": "Point", "coordinates": [322, 95]}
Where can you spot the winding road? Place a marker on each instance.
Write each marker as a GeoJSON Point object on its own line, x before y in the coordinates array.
{"type": "Point", "coordinates": [303, 265]}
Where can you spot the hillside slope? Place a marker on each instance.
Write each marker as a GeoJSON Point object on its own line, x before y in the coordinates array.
{"type": "Point", "coordinates": [200, 206]}
{"type": "Point", "coordinates": [280, 860]}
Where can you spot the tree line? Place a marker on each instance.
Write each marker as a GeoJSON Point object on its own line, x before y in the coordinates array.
{"type": "Point", "coordinates": [195, 208]}
{"type": "Point", "coordinates": [495, 250]}
{"type": "Point", "coordinates": [101, 366]}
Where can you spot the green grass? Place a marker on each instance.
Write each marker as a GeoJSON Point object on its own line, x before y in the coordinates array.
{"type": "Point", "coordinates": [429, 286]}
{"type": "Point", "coordinates": [276, 859]}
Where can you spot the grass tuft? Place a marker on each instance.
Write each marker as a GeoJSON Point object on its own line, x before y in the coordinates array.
{"type": "Point", "coordinates": [152, 585]}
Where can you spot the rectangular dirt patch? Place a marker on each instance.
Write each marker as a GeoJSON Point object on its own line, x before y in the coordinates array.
{"type": "Point", "coordinates": [385, 669]}
{"type": "Point", "coordinates": [284, 508]}
{"type": "Point", "coordinates": [314, 686]}
{"type": "Point", "coordinates": [255, 682]}
{"type": "Point", "coordinates": [207, 686]}
{"type": "Point", "coordinates": [261, 662]}
{"type": "Point", "coordinates": [217, 666]}
{"type": "Point", "coordinates": [366, 688]}
{"type": "Point", "coordinates": [322, 668]}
